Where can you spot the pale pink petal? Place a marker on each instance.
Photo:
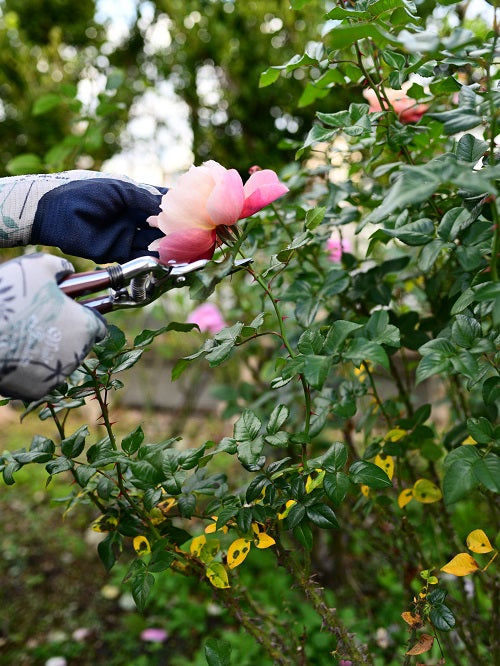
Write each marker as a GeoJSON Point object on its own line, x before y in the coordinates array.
{"type": "Point", "coordinates": [185, 246]}
{"type": "Point", "coordinates": [372, 99]}
{"type": "Point", "coordinates": [226, 200]}
{"type": "Point", "coordinates": [153, 247]}
{"type": "Point", "coordinates": [262, 188]}
{"type": "Point", "coordinates": [152, 220]}
{"type": "Point", "coordinates": [184, 205]}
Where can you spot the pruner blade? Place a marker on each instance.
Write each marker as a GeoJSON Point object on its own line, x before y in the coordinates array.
{"type": "Point", "coordinates": [134, 283]}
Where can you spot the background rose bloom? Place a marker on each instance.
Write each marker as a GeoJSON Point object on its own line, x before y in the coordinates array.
{"type": "Point", "coordinates": [154, 635]}
{"type": "Point", "coordinates": [337, 247]}
{"type": "Point", "coordinates": [204, 198]}
{"type": "Point", "coordinates": [405, 107]}
{"type": "Point", "coordinates": [208, 317]}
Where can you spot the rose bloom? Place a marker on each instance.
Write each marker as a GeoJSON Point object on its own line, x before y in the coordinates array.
{"type": "Point", "coordinates": [205, 198]}
{"type": "Point", "coordinates": [405, 107]}
{"type": "Point", "coordinates": [336, 248]}
{"type": "Point", "coordinates": [154, 635]}
{"type": "Point", "coordinates": [208, 317]}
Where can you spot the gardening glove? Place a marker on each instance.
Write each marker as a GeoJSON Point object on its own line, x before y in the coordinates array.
{"type": "Point", "coordinates": [84, 213]}
{"type": "Point", "coordinates": [44, 334]}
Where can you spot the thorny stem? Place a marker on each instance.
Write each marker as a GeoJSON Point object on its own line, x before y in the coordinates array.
{"type": "Point", "coordinates": [329, 616]}
{"type": "Point", "coordinates": [376, 394]}
{"type": "Point", "coordinates": [103, 404]}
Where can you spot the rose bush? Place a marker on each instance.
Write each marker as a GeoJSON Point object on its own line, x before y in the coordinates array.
{"type": "Point", "coordinates": [205, 198]}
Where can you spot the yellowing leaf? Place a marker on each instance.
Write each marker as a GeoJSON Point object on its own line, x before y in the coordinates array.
{"type": "Point", "coordinates": [314, 481]}
{"type": "Point", "coordinates": [424, 644]}
{"type": "Point", "coordinates": [395, 435]}
{"type": "Point", "coordinates": [405, 497]}
{"type": "Point", "coordinates": [217, 575]}
{"type": "Point", "coordinates": [461, 565]}
{"type": "Point", "coordinates": [263, 540]}
{"type": "Point", "coordinates": [141, 546]}
{"type": "Point", "coordinates": [166, 505]}
{"type": "Point", "coordinates": [426, 491]}
{"type": "Point", "coordinates": [156, 516]}
{"type": "Point", "coordinates": [209, 550]}
{"type": "Point", "coordinates": [469, 441]}
{"type": "Point", "coordinates": [365, 490]}
{"type": "Point", "coordinates": [197, 544]}
{"type": "Point", "coordinates": [104, 524]}
{"type": "Point", "coordinates": [386, 463]}
{"type": "Point", "coordinates": [412, 620]}
{"type": "Point", "coordinates": [237, 552]}
{"type": "Point", "coordinates": [286, 511]}
{"type": "Point", "coordinates": [478, 542]}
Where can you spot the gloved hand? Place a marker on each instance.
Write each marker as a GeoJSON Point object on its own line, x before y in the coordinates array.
{"type": "Point", "coordinates": [44, 334]}
{"type": "Point", "coordinates": [84, 213]}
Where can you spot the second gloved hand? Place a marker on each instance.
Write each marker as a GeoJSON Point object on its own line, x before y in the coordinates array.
{"type": "Point", "coordinates": [84, 213]}
{"type": "Point", "coordinates": [44, 334]}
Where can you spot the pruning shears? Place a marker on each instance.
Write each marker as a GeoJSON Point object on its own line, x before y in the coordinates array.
{"type": "Point", "coordinates": [132, 284]}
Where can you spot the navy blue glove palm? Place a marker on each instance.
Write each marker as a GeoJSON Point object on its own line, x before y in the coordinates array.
{"type": "Point", "coordinates": [84, 213]}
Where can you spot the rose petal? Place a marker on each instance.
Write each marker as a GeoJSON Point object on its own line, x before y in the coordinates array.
{"type": "Point", "coordinates": [262, 188]}
{"type": "Point", "coordinates": [187, 245]}
{"type": "Point", "coordinates": [226, 200]}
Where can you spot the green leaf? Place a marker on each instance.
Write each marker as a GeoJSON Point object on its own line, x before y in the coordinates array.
{"type": "Point", "coordinates": [361, 349]}
{"type": "Point", "coordinates": [108, 548]}
{"type": "Point", "coordinates": [277, 418]}
{"type": "Point", "coordinates": [369, 474]}
{"type": "Point", "coordinates": [322, 516]}
{"type": "Point", "coordinates": [480, 429]}
{"type": "Point", "coordinates": [338, 333]}
{"type": "Point", "coordinates": [187, 504]}
{"type": "Point", "coordinates": [336, 485]}
{"type": "Point", "coordinates": [161, 559]}
{"type": "Point", "coordinates": [458, 480]}
{"type": "Point", "coordinates": [379, 330]}
{"type": "Point", "coordinates": [470, 149]}
{"type": "Point", "coordinates": [217, 652]}
{"type": "Point", "coordinates": [316, 369]}
{"type": "Point", "coordinates": [487, 472]}
{"type": "Point", "coordinates": [72, 446]}
{"type": "Point", "coordinates": [413, 233]}
{"type": "Point", "coordinates": [304, 535]}
{"type": "Point", "coordinates": [295, 516]}
{"type": "Point", "coordinates": [247, 427]}
{"type": "Point", "coordinates": [46, 103]}
{"type": "Point", "coordinates": [60, 464]}
{"type": "Point", "coordinates": [310, 342]}
{"type": "Point", "coordinates": [8, 472]}
{"type": "Point", "coordinates": [127, 360]}
{"type": "Point", "coordinates": [24, 164]}
{"type": "Point", "coordinates": [335, 458]}
{"type": "Point", "coordinates": [314, 217]}
{"type": "Point", "coordinates": [142, 583]}
{"type": "Point", "coordinates": [132, 441]}
{"type": "Point", "coordinates": [441, 617]}
{"type": "Point", "coordinates": [465, 331]}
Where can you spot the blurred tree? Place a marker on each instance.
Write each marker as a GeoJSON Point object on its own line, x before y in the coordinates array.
{"type": "Point", "coordinates": [218, 50]}
{"type": "Point", "coordinates": [49, 52]}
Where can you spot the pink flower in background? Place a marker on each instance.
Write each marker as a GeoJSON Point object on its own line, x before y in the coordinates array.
{"type": "Point", "coordinates": [336, 248]}
{"type": "Point", "coordinates": [208, 317]}
{"type": "Point", "coordinates": [154, 635]}
{"type": "Point", "coordinates": [204, 198]}
{"type": "Point", "coordinates": [405, 107]}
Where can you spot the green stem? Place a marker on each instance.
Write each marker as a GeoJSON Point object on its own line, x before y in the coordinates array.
{"type": "Point", "coordinates": [376, 394]}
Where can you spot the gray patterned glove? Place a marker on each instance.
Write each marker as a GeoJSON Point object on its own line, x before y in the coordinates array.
{"type": "Point", "coordinates": [44, 334]}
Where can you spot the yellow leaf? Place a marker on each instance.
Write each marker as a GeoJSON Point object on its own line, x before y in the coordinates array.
{"type": "Point", "coordinates": [395, 435]}
{"type": "Point", "coordinates": [156, 516]}
{"type": "Point", "coordinates": [209, 550]}
{"type": "Point", "coordinates": [197, 544]}
{"type": "Point", "coordinates": [413, 620]}
{"type": "Point", "coordinates": [386, 463]}
{"type": "Point", "coordinates": [286, 510]}
{"type": "Point", "coordinates": [167, 504]}
{"type": "Point", "coordinates": [210, 529]}
{"type": "Point", "coordinates": [426, 491]}
{"type": "Point", "coordinates": [469, 441]}
{"type": "Point", "coordinates": [405, 497]}
{"type": "Point", "coordinates": [104, 524]}
{"type": "Point", "coordinates": [237, 552]}
{"type": "Point", "coordinates": [141, 546]}
{"type": "Point", "coordinates": [461, 565]}
{"type": "Point", "coordinates": [424, 644]}
{"type": "Point", "coordinates": [217, 575]}
{"type": "Point", "coordinates": [365, 490]}
{"type": "Point", "coordinates": [263, 540]}
{"type": "Point", "coordinates": [478, 542]}
{"type": "Point", "coordinates": [314, 481]}
{"type": "Point", "coordinates": [257, 528]}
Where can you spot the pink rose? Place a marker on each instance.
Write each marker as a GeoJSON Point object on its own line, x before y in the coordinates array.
{"type": "Point", "coordinates": [154, 635]}
{"type": "Point", "coordinates": [336, 248]}
{"type": "Point", "coordinates": [204, 198]}
{"type": "Point", "coordinates": [208, 317]}
{"type": "Point", "coordinates": [405, 107]}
